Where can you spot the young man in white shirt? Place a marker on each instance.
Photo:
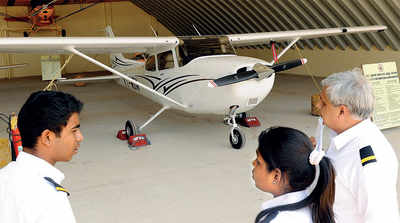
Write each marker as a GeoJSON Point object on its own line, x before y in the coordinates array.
{"type": "Point", "coordinates": [30, 189]}
{"type": "Point", "coordinates": [365, 163]}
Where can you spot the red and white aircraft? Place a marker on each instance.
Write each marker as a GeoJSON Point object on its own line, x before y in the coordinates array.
{"type": "Point", "coordinates": [195, 74]}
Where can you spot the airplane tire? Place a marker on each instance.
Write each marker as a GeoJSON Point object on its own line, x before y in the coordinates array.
{"type": "Point", "coordinates": [63, 33]}
{"type": "Point", "coordinates": [130, 128]}
{"type": "Point", "coordinates": [238, 140]}
{"type": "Point", "coordinates": [26, 34]}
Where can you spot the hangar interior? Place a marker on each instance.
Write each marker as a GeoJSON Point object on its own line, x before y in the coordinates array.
{"type": "Point", "coordinates": [190, 172]}
{"type": "Point", "coordinates": [136, 17]}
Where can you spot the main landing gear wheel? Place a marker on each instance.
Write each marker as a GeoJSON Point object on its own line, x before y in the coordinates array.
{"type": "Point", "coordinates": [63, 33]}
{"type": "Point", "coordinates": [237, 138]}
{"type": "Point", "coordinates": [130, 128]}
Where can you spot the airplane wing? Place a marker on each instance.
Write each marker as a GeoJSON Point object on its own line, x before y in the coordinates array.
{"type": "Point", "coordinates": [88, 45]}
{"type": "Point", "coordinates": [82, 46]}
{"type": "Point", "coordinates": [263, 38]}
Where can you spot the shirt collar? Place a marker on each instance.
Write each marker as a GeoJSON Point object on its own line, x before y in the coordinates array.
{"type": "Point", "coordinates": [288, 198]}
{"type": "Point", "coordinates": [343, 138]}
{"type": "Point", "coordinates": [39, 166]}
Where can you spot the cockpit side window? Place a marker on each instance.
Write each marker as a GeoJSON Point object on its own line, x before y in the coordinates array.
{"type": "Point", "coordinates": [165, 60]}
{"type": "Point", "coordinates": [151, 63]}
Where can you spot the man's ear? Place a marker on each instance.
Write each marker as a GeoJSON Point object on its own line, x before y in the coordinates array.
{"type": "Point", "coordinates": [47, 137]}
{"type": "Point", "coordinates": [343, 110]}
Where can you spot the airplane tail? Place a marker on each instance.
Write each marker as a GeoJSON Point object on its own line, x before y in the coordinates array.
{"type": "Point", "coordinates": [118, 60]}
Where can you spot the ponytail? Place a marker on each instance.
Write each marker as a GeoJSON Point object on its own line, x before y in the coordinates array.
{"type": "Point", "coordinates": [324, 194]}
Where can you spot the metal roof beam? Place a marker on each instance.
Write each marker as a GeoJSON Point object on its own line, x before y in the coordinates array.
{"type": "Point", "coordinates": [150, 10]}
{"type": "Point", "coordinates": [215, 17]}
{"type": "Point", "coordinates": [374, 18]}
{"type": "Point", "coordinates": [388, 16]}
{"type": "Point", "coordinates": [240, 21]}
{"type": "Point", "coordinates": [330, 22]}
{"type": "Point", "coordinates": [343, 18]}
{"type": "Point", "coordinates": [246, 14]}
{"type": "Point", "coordinates": [288, 25]}
{"type": "Point", "coordinates": [205, 27]}
{"type": "Point", "coordinates": [277, 24]}
{"type": "Point", "coordinates": [318, 18]}
{"type": "Point", "coordinates": [297, 22]}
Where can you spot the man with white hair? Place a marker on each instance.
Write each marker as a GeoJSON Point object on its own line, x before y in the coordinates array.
{"type": "Point", "coordinates": [365, 163]}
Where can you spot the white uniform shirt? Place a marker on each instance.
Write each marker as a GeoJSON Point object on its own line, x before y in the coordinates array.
{"type": "Point", "coordinates": [365, 185]}
{"type": "Point", "coordinates": [26, 197]}
{"type": "Point", "coordinates": [302, 215]}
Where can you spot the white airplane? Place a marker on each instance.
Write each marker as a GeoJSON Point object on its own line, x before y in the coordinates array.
{"type": "Point", "coordinates": [195, 74]}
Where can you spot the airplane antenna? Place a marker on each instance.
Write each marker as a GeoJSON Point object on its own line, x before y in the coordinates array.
{"type": "Point", "coordinates": [198, 33]}
{"type": "Point", "coordinates": [154, 31]}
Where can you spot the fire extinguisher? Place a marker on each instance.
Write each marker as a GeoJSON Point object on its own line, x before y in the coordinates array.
{"type": "Point", "coordinates": [15, 136]}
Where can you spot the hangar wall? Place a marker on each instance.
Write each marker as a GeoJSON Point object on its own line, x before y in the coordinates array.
{"type": "Point", "coordinates": [125, 18]}
{"type": "Point", "coordinates": [129, 20]}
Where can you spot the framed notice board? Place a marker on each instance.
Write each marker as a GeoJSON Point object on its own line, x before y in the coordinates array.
{"type": "Point", "coordinates": [384, 79]}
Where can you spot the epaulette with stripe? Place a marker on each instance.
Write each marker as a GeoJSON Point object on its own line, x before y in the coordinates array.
{"type": "Point", "coordinates": [367, 155]}
{"type": "Point", "coordinates": [56, 185]}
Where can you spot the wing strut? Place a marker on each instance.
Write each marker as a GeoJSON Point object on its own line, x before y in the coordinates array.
{"type": "Point", "coordinates": [171, 101]}
{"type": "Point", "coordinates": [286, 49]}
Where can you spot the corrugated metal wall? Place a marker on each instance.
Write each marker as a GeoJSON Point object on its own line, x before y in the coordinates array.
{"type": "Point", "coordinates": [210, 17]}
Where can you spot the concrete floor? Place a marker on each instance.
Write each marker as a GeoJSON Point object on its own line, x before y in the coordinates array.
{"type": "Point", "coordinates": [189, 173]}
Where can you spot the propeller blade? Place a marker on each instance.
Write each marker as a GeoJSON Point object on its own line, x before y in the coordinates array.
{"type": "Point", "coordinates": [234, 78]}
{"type": "Point", "coordinates": [288, 65]}
{"type": "Point", "coordinates": [259, 71]}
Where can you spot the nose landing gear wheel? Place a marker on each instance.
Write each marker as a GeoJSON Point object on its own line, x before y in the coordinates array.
{"type": "Point", "coordinates": [237, 139]}
{"type": "Point", "coordinates": [130, 128]}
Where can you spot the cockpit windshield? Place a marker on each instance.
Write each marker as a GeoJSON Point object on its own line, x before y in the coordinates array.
{"type": "Point", "coordinates": [193, 47]}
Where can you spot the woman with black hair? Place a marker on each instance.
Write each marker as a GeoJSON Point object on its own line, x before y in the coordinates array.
{"type": "Point", "coordinates": [303, 192]}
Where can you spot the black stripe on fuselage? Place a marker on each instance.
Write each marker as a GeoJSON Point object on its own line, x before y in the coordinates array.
{"type": "Point", "coordinates": [157, 78]}
{"type": "Point", "coordinates": [121, 62]}
{"type": "Point", "coordinates": [165, 88]}
{"type": "Point", "coordinates": [158, 86]}
{"type": "Point", "coordinates": [147, 79]}
{"type": "Point", "coordinates": [187, 82]}
{"type": "Point", "coordinates": [172, 87]}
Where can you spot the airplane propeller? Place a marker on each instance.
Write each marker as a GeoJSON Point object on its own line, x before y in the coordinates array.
{"type": "Point", "coordinates": [259, 71]}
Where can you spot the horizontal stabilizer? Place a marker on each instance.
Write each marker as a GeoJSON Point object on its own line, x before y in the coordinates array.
{"type": "Point", "coordinates": [88, 79]}
{"type": "Point", "coordinates": [3, 67]}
